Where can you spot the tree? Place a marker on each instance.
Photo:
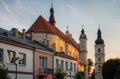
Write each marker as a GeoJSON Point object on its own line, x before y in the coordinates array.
{"type": "Point", "coordinates": [90, 64]}
{"type": "Point", "coordinates": [80, 75]}
{"type": "Point", "coordinates": [3, 72]}
{"type": "Point", "coordinates": [111, 69]}
{"type": "Point", "coordinates": [60, 74]}
{"type": "Point", "coordinates": [93, 74]}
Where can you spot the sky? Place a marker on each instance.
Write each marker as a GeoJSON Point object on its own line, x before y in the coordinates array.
{"type": "Point", "coordinates": [21, 14]}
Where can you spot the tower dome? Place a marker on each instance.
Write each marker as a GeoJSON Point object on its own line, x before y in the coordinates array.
{"type": "Point", "coordinates": [99, 39]}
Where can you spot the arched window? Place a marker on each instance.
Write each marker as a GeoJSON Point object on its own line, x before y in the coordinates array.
{"type": "Point", "coordinates": [99, 68]}
{"type": "Point", "coordinates": [61, 49]}
{"type": "Point", "coordinates": [54, 46]}
{"type": "Point", "coordinates": [99, 50]}
{"type": "Point", "coordinates": [99, 59]}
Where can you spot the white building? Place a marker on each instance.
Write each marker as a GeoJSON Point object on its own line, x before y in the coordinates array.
{"type": "Point", "coordinates": [99, 55]}
{"type": "Point", "coordinates": [13, 45]}
{"type": "Point", "coordinates": [67, 63]}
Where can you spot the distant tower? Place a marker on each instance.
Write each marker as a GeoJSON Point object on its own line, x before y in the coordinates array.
{"type": "Point", "coordinates": [99, 55]}
{"type": "Point", "coordinates": [83, 51]}
{"type": "Point", "coordinates": [52, 18]}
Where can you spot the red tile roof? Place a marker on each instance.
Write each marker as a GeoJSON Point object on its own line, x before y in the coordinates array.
{"type": "Point", "coordinates": [43, 26]}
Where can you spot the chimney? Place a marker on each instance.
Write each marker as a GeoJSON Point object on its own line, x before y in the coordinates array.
{"type": "Point", "coordinates": [32, 36]}
{"type": "Point", "coordinates": [23, 34]}
{"type": "Point", "coordinates": [16, 33]}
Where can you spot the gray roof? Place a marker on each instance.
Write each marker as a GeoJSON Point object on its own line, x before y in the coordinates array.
{"type": "Point", "coordinates": [9, 36]}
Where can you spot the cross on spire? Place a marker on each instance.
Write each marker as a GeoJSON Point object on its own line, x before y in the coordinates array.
{"type": "Point", "coordinates": [82, 26]}
{"type": "Point", "coordinates": [51, 3]}
{"type": "Point", "coordinates": [99, 26]}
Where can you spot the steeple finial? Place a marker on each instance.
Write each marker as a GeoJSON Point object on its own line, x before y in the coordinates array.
{"type": "Point", "coordinates": [51, 3]}
{"type": "Point", "coordinates": [99, 39]}
{"type": "Point", "coordinates": [51, 18]}
{"type": "Point", "coordinates": [99, 32]}
{"type": "Point", "coordinates": [82, 31]}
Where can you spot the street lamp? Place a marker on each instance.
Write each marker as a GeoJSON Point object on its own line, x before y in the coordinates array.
{"type": "Point", "coordinates": [16, 66]}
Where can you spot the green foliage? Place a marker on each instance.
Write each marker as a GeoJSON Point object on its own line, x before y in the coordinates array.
{"type": "Point", "coordinates": [80, 75]}
{"type": "Point", "coordinates": [93, 74]}
{"type": "Point", "coordinates": [3, 72]}
{"type": "Point", "coordinates": [60, 74]}
{"type": "Point", "coordinates": [111, 69]}
{"type": "Point", "coordinates": [90, 64]}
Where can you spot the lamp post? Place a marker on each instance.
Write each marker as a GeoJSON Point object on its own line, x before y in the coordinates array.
{"type": "Point", "coordinates": [16, 66]}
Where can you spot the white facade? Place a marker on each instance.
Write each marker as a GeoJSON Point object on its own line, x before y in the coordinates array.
{"type": "Point", "coordinates": [99, 60]}
{"type": "Point", "coordinates": [66, 68]}
{"type": "Point", "coordinates": [84, 52]}
{"type": "Point", "coordinates": [99, 55]}
{"type": "Point", "coordinates": [25, 70]}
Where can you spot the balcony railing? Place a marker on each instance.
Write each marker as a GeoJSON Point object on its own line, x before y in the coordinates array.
{"type": "Point", "coordinates": [45, 71]}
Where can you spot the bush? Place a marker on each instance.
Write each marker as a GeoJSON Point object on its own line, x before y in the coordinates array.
{"type": "Point", "coordinates": [3, 72]}
{"type": "Point", "coordinates": [60, 74]}
{"type": "Point", "coordinates": [80, 75]}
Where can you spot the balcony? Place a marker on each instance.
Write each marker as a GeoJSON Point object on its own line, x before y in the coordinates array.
{"type": "Point", "coordinates": [45, 71]}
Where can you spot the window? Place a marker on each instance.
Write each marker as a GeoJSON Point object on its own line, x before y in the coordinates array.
{"type": "Point", "coordinates": [61, 49]}
{"type": "Point", "coordinates": [62, 64]}
{"type": "Point", "coordinates": [11, 56]}
{"type": "Point", "coordinates": [71, 66]}
{"type": "Point", "coordinates": [99, 68]}
{"type": "Point", "coordinates": [22, 59]}
{"type": "Point", "coordinates": [99, 59]}
{"type": "Point", "coordinates": [75, 67]}
{"type": "Point", "coordinates": [43, 62]}
{"type": "Point", "coordinates": [48, 43]}
{"type": "Point", "coordinates": [54, 46]}
{"type": "Point", "coordinates": [66, 65]}
{"type": "Point", "coordinates": [99, 50]}
{"type": "Point", "coordinates": [1, 55]}
{"type": "Point", "coordinates": [57, 63]}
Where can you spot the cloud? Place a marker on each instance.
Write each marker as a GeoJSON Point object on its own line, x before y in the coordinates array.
{"type": "Point", "coordinates": [8, 16]}
{"type": "Point", "coordinates": [24, 8]}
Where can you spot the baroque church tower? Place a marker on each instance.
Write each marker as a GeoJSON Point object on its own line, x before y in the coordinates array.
{"type": "Point", "coordinates": [83, 51]}
{"type": "Point", "coordinates": [99, 55]}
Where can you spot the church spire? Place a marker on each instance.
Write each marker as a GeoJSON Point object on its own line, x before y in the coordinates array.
{"type": "Point", "coordinates": [52, 18]}
{"type": "Point", "coordinates": [99, 39]}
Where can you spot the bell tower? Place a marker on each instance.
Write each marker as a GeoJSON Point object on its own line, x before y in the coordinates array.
{"type": "Point", "coordinates": [99, 55]}
{"type": "Point", "coordinates": [83, 51]}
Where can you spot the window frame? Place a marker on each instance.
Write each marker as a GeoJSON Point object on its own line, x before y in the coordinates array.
{"type": "Point", "coordinates": [1, 58]}
{"type": "Point", "coordinates": [43, 62]}
{"type": "Point", "coordinates": [24, 56]}
{"type": "Point", "coordinates": [66, 66]}
{"type": "Point", "coordinates": [14, 55]}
